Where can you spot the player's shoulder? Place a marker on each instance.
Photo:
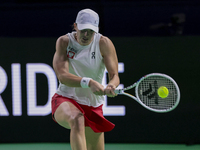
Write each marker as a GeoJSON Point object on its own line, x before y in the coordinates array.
{"type": "Point", "coordinates": [106, 46]}
{"type": "Point", "coordinates": [63, 41]}
{"type": "Point", "coordinates": [104, 41]}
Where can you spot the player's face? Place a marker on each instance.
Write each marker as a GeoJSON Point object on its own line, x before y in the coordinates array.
{"type": "Point", "coordinates": [85, 37]}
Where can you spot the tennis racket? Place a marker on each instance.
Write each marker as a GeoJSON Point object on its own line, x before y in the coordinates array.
{"type": "Point", "coordinates": [146, 92]}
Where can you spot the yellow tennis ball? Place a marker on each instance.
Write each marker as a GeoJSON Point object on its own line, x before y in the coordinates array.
{"type": "Point", "coordinates": [163, 92]}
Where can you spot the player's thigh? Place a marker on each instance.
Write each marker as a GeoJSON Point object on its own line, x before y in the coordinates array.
{"type": "Point", "coordinates": [66, 113]}
{"type": "Point", "coordinates": [95, 141]}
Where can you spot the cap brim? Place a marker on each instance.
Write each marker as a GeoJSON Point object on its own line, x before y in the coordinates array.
{"type": "Point", "coordinates": [88, 26]}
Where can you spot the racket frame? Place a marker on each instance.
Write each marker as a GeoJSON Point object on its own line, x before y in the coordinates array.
{"type": "Point", "coordinates": [136, 97]}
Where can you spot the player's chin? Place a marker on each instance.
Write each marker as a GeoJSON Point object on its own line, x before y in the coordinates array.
{"type": "Point", "coordinates": [85, 42]}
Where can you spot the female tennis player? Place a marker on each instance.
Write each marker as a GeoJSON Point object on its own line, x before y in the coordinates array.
{"type": "Point", "coordinates": [79, 63]}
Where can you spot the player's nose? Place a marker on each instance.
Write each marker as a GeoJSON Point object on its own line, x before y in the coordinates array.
{"type": "Point", "coordinates": [86, 33]}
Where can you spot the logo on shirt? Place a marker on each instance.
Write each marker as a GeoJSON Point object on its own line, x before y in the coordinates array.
{"type": "Point", "coordinates": [70, 54]}
{"type": "Point", "coordinates": [93, 55]}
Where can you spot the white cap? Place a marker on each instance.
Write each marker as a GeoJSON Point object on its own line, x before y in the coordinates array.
{"type": "Point", "coordinates": [88, 19]}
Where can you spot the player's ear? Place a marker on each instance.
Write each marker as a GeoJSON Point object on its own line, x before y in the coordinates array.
{"type": "Point", "coordinates": [75, 26]}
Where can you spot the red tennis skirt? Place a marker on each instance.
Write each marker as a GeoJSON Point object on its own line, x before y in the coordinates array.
{"type": "Point", "coordinates": [93, 115]}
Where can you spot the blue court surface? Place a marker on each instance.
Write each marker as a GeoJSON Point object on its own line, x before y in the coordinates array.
{"type": "Point", "coordinates": [62, 146]}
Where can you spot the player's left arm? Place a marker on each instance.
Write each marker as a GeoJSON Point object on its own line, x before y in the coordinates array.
{"type": "Point", "coordinates": [111, 62]}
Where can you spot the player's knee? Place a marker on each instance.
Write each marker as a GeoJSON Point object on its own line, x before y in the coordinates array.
{"type": "Point", "coordinates": [76, 121]}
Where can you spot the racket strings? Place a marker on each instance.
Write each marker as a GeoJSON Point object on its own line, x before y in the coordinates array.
{"type": "Point", "coordinates": [147, 92]}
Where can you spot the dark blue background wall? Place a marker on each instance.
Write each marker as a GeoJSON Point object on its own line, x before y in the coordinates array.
{"type": "Point", "coordinates": [117, 18]}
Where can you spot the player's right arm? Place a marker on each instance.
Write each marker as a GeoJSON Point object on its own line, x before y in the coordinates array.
{"type": "Point", "coordinates": [61, 64]}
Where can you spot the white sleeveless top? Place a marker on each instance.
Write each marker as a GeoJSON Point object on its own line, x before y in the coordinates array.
{"type": "Point", "coordinates": [84, 61]}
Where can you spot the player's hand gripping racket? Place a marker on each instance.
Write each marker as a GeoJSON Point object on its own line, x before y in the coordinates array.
{"type": "Point", "coordinates": [147, 94]}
